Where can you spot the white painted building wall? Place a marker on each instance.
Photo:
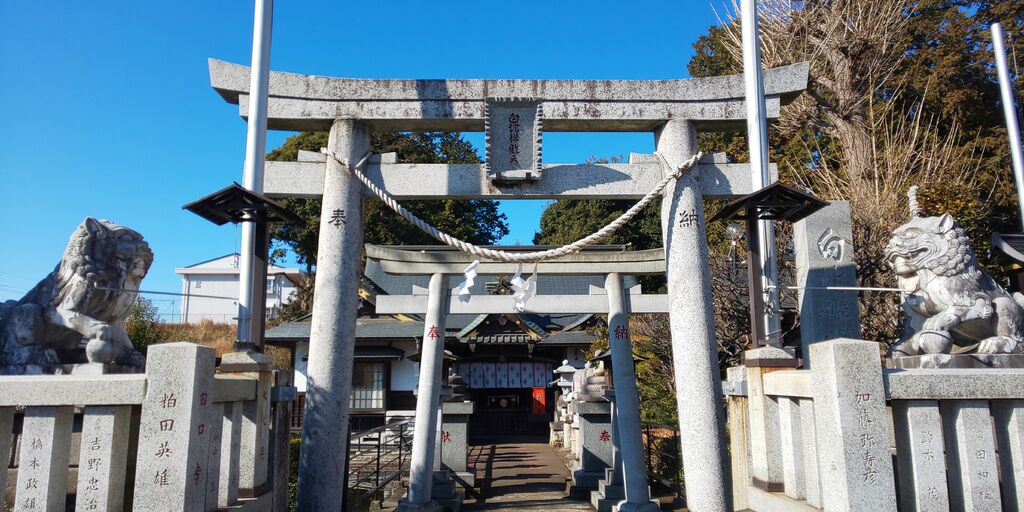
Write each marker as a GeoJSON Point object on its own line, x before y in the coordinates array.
{"type": "Point", "coordinates": [210, 290]}
{"type": "Point", "coordinates": [301, 362]}
{"type": "Point", "coordinates": [404, 373]}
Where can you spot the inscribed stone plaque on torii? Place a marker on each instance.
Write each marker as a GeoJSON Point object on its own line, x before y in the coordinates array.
{"type": "Point", "coordinates": [512, 132]}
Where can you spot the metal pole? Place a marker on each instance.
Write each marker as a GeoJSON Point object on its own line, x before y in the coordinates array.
{"type": "Point", "coordinates": [758, 336]}
{"type": "Point", "coordinates": [757, 139]}
{"type": "Point", "coordinates": [1010, 112]}
{"type": "Point", "coordinates": [251, 268]}
{"type": "Point", "coordinates": [380, 440]}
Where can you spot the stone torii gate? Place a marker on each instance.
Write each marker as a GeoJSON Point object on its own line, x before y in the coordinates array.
{"type": "Point", "coordinates": [673, 110]}
{"type": "Point", "coordinates": [612, 300]}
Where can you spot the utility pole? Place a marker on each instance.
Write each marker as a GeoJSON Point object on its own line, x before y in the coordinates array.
{"type": "Point", "coordinates": [252, 267]}
{"type": "Point", "coordinates": [1010, 112]}
{"type": "Point", "coordinates": [757, 140]}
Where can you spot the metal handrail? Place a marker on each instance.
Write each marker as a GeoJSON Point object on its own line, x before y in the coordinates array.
{"type": "Point", "coordinates": [376, 457]}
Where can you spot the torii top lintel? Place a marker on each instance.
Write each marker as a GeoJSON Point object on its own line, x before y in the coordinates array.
{"type": "Point", "coordinates": [310, 102]}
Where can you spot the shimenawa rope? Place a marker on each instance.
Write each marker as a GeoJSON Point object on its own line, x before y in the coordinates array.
{"type": "Point", "coordinates": [514, 257]}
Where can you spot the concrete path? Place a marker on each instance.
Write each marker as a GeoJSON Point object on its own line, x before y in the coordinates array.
{"type": "Point", "coordinates": [515, 476]}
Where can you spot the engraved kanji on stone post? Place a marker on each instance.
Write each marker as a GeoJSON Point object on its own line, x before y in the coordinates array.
{"type": "Point", "coordinates": [171, 467]}
{"type": "Point", "coordinates": [102, 457]}
{"type": "Point", "coordinates": [43, 463]}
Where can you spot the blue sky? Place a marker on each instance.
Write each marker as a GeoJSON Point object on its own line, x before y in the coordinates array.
{"type": "Point", "coordinates": [107, 109]}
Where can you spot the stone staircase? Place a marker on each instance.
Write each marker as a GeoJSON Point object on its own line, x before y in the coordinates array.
{"type": "Point", "coordinates": [445, 491]}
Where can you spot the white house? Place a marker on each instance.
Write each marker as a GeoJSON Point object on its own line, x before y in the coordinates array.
{"type": "Point", "coordinates": [209, 289]}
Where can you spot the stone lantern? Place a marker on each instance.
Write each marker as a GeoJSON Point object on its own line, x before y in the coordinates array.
{"type": "Point", "coordinates": [564, 375]}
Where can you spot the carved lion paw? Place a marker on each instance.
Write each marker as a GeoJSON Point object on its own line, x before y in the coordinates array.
{"type": "Point", "coordinates": [997, 345]}
{"type": "Point", "coordinates": [935, 342]}
{"type": "Point", "coordinates": [904, 348]}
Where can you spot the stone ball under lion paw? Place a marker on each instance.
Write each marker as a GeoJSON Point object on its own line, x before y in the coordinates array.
{"type": "Point", "coordinates": [100, 350]}
{"type": "Point", "coordinates": [935, 342]}
{"type": "Point", "coordinates": [997, 345]}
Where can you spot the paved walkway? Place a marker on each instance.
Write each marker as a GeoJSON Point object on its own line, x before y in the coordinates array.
{"type": "Point", "coordinates": [526, 475]}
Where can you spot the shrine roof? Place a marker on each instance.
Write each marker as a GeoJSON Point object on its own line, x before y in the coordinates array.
{"type": "Point", "coordinates": [383, 327]}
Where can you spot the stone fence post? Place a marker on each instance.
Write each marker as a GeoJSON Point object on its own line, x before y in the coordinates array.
{"type": "Point", "coordinates": [255, 429]}
{"type": "Point", "coordinates": [43, 463]}
{"type": "Point", "coordinates": [739, 434]}
{"type": "Point", "coordinates": [852, 427]}
{"type": "Point", "coordinates": [174, 431]}
{"type": "Point", "coordinates": [765, 435]}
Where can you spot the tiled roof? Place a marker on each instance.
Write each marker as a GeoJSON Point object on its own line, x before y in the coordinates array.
{"type": "Point", "coordinates": [569, 338]}
{"type": "Point", "coordinates": [366, 328]}
{"type": "Point", "coordinates": [503, 339]}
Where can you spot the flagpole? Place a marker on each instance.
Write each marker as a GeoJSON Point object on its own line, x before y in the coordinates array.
{"type": "Point", "coordinates": [757, 140]}
{"type": "Point", "coordinates": [252, 262]}
{"type": "Point", "coordinates": [1010, 112]}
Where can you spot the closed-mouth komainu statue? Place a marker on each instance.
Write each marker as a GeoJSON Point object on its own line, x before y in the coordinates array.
{"type": "Point", "coordinates": [87, 297]}
{"type": "Point", "coordinates": [950, 301]}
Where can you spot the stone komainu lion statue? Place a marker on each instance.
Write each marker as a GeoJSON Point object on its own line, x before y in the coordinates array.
{"type": "Point", "coordinates": [950, 300]}
{"type": "Point", "coordinates": [87, 296]}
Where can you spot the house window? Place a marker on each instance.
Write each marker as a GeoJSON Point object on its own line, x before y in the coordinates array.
{"type": "Point", "coordinates": [271, 285]}
{"type": "Point", "coordinates": [368, 385]}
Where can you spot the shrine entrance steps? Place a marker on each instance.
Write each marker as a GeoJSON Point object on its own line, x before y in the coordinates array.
{"type": "Point", "coordinates": [519, 474]}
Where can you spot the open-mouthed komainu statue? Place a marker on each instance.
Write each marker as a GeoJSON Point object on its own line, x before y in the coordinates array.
{"type": "Point", "coordinates": [950, 300]}
{"type": "Point", "coordinates": [87, 296]}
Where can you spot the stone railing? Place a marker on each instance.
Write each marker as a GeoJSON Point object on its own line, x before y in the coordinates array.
{"type": "Point", "coordinates": [179, 437]}
{"type": "Point", "coordinates": [822, 439]}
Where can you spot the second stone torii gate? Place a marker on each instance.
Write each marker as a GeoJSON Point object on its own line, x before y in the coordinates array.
{"type": "Point", "coordinates": [673, 110]}
{"type": "Point", "coordinates": [439, 302]}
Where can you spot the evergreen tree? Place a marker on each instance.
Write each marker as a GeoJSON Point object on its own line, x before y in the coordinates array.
{"type": "Point", "coordinates": [476, 221]}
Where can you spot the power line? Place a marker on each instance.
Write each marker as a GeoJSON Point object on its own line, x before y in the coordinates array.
{"type": "Point", "coordinates": [152, 292]}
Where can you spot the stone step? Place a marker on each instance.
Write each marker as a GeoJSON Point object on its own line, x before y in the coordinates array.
{"type": "Point", "coordinates": [602, 504]}
{"type": "Point", "coordinates": [611, 491]}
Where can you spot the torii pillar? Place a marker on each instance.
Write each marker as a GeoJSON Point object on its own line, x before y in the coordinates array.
{"type": "Point", "coordinates": [332, 334]}
{"type": "Point", "coordinates": [691, 316]}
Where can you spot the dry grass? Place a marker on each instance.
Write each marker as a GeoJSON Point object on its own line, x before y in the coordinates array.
{"type": "Point", "coordinates": [220, 337]}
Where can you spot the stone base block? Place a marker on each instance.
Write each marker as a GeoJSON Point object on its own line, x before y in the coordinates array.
{"type": "Point", "coordinates": [647, 506]}
{"type": "Point", "coordinates": [464, 479]}
{"type": "Point", "coordinates": [582, 483]}
{"type": "Point", "coordinates": [454, 503]}
{"type": "Point", "coordinates": [607, 497]}
{"type": "Point", "coordinates": [959, 361]}
{"type": "Point", "coordinates": [430, 506]}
